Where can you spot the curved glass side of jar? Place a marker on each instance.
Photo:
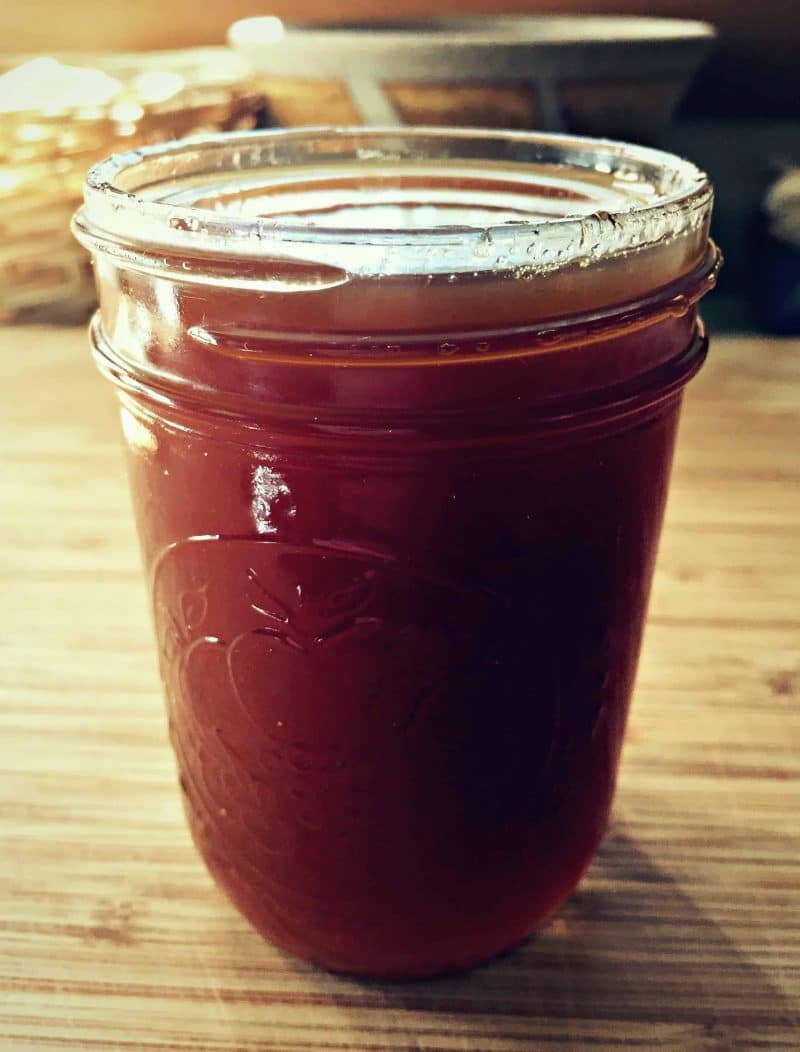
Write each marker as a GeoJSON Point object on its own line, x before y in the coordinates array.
{"type": "Point", "coordinates": [399, 575]}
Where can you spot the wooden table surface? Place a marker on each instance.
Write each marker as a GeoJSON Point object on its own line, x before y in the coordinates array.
{"type": "Point", "coordinates": [685, 934]}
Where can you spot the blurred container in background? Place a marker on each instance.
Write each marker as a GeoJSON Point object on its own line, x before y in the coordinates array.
{"type": "Point", "coordinates": [777, 243]}
{"type": "Point", "coordinates": [752, 72]}
{"type": "Point", "coordinates": [58, 115]}
{"type": "Point", "coordinates": [618, 77]}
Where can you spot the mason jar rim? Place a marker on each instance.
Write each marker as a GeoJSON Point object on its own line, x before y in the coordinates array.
{"type": "Point", "coordinates": [122, 215]}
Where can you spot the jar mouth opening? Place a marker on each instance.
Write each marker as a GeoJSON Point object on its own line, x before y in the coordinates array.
{"type": "Point", "coordinates": [385, 201]}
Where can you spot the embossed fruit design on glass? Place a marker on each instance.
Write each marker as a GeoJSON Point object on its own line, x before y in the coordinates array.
{"type": "Point", "coordinates": [399, 410]}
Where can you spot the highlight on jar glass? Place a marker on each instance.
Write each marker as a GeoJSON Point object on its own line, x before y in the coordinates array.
{"type": "Point", "coordinates": [399, 410]}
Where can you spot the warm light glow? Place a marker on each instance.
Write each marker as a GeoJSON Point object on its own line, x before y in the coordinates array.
{"type": "Point", "coordinates": [158, 86]}
{"type": "Point", "coordinates": [126, 112]}
{"type": "Point", "coordinates": [9, 180]}
{"type": "Point", "coordinates": [46, 84]}
{"type": "Point", "coordinates": [263, 30]}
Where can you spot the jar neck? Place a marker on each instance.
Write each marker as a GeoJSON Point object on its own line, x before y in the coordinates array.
{"type": "Point", "coordinates": [160, 347]}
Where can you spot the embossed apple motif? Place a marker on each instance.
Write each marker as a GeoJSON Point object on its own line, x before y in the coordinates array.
{"type": "Point", "coordinates": [281, 655]}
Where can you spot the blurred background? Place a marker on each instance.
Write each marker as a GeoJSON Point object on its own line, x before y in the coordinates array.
{"type": "Point", "coordinates": [732, 104]}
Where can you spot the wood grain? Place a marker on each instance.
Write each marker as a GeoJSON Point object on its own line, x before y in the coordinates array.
{"type": "Point", "coordinates": [684, 936]}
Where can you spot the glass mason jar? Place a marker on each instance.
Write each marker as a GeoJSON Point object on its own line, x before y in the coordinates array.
{"type": "Point", "coordinates": [399, 409]}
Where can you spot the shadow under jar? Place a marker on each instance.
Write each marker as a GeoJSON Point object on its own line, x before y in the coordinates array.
{"type": "Point", "coordinates": [399, 410]}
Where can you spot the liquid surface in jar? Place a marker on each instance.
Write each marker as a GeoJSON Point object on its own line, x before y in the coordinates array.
{"type": "Point", "coordinates": [418, 197]}
{"type": "Point", "coordinates": [400, 536]}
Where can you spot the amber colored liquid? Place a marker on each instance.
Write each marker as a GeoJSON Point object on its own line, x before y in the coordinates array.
{"type": "Point", "coordinates": [399, 588]}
